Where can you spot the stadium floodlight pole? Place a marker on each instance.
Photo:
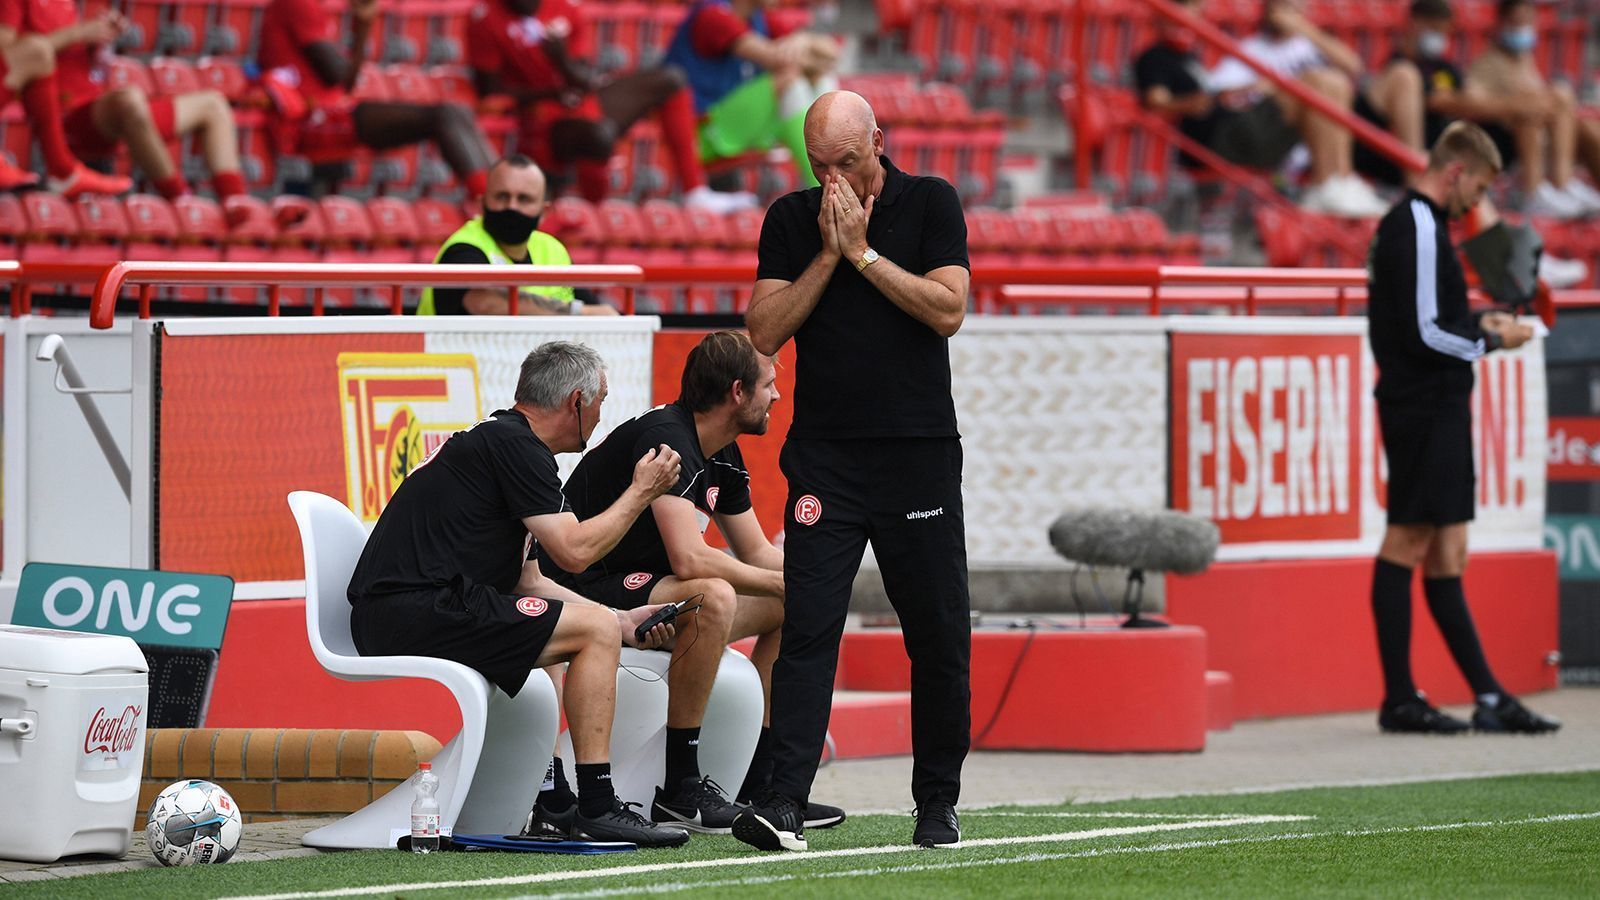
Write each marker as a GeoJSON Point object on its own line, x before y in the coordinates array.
{"type": "Point", "coordinates": [1364, 131]}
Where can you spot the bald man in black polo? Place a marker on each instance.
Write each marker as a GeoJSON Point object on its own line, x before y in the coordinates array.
{"type": "Point", "coordinates": [868, 273]}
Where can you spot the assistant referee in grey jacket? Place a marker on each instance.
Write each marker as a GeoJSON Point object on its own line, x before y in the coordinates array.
{"type": "Point", "coordinates": [1424, 340]}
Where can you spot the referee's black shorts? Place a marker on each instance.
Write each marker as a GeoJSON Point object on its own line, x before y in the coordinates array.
{"type": "Point", "coordinates": [498, 635]}
{"type": "Point", "coordinates": [1431, 475]}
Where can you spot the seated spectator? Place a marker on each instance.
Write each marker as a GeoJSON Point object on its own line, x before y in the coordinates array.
{"type": "Point", "coordinates": [309, 79]}
{"type": "Point", "coordinates": [1270, 122]}
{"type": "Point", "coordinates": [539, 52]}
{"type": "Point", "coordinates": [27, 65]}
{"type": "Point", "coordinates": [96, 120]}
{"type": "Point", "coordinates": [752, 85]}
{"type": "Point", "coordinates": [1533, 122]}
{"type": "Point", "coordinates": [505, 234]}
{"type": "Point", "coordinates": [1417, 93]}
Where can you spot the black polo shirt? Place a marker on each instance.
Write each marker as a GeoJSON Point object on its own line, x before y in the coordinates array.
{"type": "Point", "coordinates": [864, 368]}
{"type": "Point", "coordinates": [459, 514]}
{"type": "Point", "coordinates": [720, 484]}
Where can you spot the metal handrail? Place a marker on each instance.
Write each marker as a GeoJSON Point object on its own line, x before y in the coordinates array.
{"type": "Point", "coordinates": [103, 300]}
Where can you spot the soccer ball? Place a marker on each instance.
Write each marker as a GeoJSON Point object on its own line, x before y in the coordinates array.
{"type": "Point", "coordinates": [193, 822]}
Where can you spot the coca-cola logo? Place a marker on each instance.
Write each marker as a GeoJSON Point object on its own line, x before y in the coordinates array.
{"type": "Point", "coordinates": [112, 734]}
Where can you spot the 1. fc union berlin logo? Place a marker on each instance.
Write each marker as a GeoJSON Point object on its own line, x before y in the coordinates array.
{"type": "Point", "coordinates": [807, 510]}
{"type": "Point", "coordinates": [637, 580]}
{"type": "Point", "coordinates": [532, 606]}
{"type": "Point", "coordinates": [711, 497]}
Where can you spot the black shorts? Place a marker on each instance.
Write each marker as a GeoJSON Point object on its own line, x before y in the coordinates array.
{"type": "Point", "coordinates": [498, 635]}
{"type": "Point", "coordinates": [1431, 475]}
{"type": "Point", "coordinates": [1258, 137]}
{"type": "Point", "coordinates": [629, 590]}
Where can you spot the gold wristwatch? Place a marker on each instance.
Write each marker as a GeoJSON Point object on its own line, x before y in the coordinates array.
{"type": "Point", "coordinates": [867, 259]}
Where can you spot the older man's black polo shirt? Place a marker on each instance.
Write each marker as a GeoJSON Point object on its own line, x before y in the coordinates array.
{"type": "Point", "coordinates": [864, 368]}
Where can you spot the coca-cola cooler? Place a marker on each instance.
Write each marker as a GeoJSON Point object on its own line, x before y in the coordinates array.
{"type": "Point", "coordinates": [72, 732]}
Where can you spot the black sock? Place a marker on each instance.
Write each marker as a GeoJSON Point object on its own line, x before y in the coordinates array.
{"type": "Point", "coordinates": [760, 774]}
{"type": "Point", "coordinates": [1448, 603]}
{"type": "Point", "coordinates": [1391, 612]}
{"type": "Point", "coordinates": [559, 797]}
{"type": "Point", "coordinates": [595, 794]}
{"type": "Point", "coordinates": [683, 756]}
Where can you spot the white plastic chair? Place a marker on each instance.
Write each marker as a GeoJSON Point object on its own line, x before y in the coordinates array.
{"type": "Point", "coordinates": [490, 772]}
{"type": "Point", "coordinates": [639, 731]}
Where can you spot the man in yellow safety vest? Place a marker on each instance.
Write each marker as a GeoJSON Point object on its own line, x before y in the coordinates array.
{"type": "Point", "coordinates": [505, 234]}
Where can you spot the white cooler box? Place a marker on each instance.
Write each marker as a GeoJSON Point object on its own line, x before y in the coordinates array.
{"type": "Point", "coordinates": [73, 709]}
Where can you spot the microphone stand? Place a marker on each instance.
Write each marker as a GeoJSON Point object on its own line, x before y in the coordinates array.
{"type": "Point", "coordinates": [1133, 599]}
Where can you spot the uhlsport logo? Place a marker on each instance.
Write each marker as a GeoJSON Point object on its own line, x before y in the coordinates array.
{"type": "Point", "coordinates": [399, 408]}
{"type": "Point", "coordinates": [533, 606]}
{"type": "Point", "coordinates": [807, 510]}
{"type": "Point", "coordinates": [711, 497]}
{"type": "Point", "coordinates": [637, 580]}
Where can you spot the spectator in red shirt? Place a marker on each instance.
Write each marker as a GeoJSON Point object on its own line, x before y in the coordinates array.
{"type": "Point", "coordinates": [309, 78]}
{"type": "Point", "coordinates": [96, 120]}
{"type": "Point", "coordinates": [27, 64]}
{"type": "Point", "coordinates": [539, 52]}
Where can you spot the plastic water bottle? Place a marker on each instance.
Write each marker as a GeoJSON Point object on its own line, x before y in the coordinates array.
{"type": "Point", "coordinates": [425, 811]}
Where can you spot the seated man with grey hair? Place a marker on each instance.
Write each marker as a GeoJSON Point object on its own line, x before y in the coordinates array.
{"type": "Point", "coordinates": [443, 573]}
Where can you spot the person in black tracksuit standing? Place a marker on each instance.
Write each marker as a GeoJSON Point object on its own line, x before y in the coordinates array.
{"type": "Point", "coordinates": [1424, 340]}
{"type": "Point", "coordinates": [869, 274]}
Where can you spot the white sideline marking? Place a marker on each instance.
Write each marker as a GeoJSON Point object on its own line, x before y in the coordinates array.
{"type": "Point", "coordinates": [759, 880]}
{"type": "Point", "coordinates": [772, 858]}
{"type": "Point", "coordinates": [967, 814]}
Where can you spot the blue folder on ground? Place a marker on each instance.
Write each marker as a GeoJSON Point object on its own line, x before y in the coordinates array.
{"type": "Point", "coordinates": [517, 844]}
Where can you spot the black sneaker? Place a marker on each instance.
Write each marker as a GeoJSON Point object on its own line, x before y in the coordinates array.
{"type": "Point", "coordinates": [698, 805]}
{"type": "Point", "coordinates": [773, 822]}
{"type": "Point", "coordinates": [937, 826]}
{"type": "Point", "coordinates": [1417, 716]}
{"type": "Point", "coordinates": [621, 823]}
{"type": "Point", "coordinates": [1510, 717]}
{"type": "Point", "coordinates": [821, 815]}
{"type": "Point", "coordinates": [549, 825]}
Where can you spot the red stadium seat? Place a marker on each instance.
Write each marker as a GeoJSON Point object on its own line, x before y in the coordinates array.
{"type": "Point", "coordinates": [152, 223]}
{"type": "Point", "coordinates": [394, 231]}
{"type": "Point", "coordinates": [707, 237]}
{"type": "Point", "coordinates": [436, 221]}
{"type": "Point", "coordinates": [51, 228]}
{"type": "Point", "coordinates": [574, 222]}
{"type": "Point", "coordinates": [125, 71]}
{"type": "Point", "coordinates": [624, 231]}
{"type": "Point", "coordinates": [172, 76]}
{"type": "Point", "coordinates": [188, 27]}
{"type": "Point", "coordinates": [666, 234]}
{"type": "Point", "coordinates": [347, 238]}
{"type": "Point", "coordinates": [102, 229]}
{"type": "Point", "coordinates": [410, 82]}
{"type": "Point", "coordinates": [155, 233]}
{"type": "Point", "coordinates": [13, 225]}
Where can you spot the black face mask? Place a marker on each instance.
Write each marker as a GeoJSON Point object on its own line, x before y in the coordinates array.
{"type": "Point", "coordinates": [508, 226]}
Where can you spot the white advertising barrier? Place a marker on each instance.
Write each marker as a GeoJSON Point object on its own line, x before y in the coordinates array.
{"type": "Point", "coordinates": [1055, 411]}
{"type": "Point", "coordinates": [1275, 438]}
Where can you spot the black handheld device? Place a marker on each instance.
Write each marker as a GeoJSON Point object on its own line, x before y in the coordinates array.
{"type": "Point", "coordinates": [665, 614]}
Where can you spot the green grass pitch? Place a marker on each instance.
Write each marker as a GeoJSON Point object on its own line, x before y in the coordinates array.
{"type": "Point", "coordinates": [1522, 836]}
